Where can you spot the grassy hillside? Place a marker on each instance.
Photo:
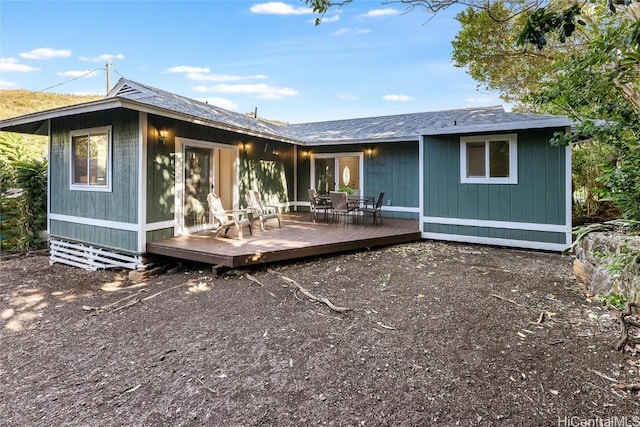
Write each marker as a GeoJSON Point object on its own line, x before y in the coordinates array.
{"type": "Point", "coordinates": [18, 102]}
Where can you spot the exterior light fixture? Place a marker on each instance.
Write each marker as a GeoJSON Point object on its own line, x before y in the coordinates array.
{"type": "Point", "coordinates": [163, 133]}
{"type": "Point", "coordinates": [369, 152]}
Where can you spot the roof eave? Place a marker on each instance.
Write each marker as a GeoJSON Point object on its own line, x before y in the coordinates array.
{"type": "Point", "coordinates": [354, 141]}
{"type": "Point", "coordinates": [555, 122]}
{"type": "Point", "coordinates": [146, 108]}
{"type": "Point", "coordinates": [33, 123]}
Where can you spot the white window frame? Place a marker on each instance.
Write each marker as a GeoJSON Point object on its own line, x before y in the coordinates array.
{"type": "Point", "coordinates": [88, 186]}
{"type": "Point", "coordinates": [511, 138]}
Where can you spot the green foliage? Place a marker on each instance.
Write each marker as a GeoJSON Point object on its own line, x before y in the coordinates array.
{"type": "Point", "coordinates": [347, 190]}
{"type": "Point", "coordinates": [589, 158]}
{"type": "Point", "coordinates": [597, 84]}
{"type": "Point", "coordinates": [23, 216]}
{"type": "Point", "coordinates": [488, 36]}
{"type": "Point", "coordinates": [617, 300]}
{"type": "Point", "coordinates": [544, 21]}
{"type": "Point", "coordinates": [32, 178]}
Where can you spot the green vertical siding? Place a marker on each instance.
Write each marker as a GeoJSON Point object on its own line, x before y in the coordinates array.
{"type": "Point", "coordinates": [538, 197]}
{"type": "Point", "coordinates": [161, 180]}
{"type": "Point", "coordinates": [120, 240]}
{"type": "Point", "coordinates": [120, 204]}
{"type": "Point", "coordinates": [268, 167]}
{"type": "Point", "coordinates": [392, 168]}
{"type": "Point", "coordinates": [154, 235]}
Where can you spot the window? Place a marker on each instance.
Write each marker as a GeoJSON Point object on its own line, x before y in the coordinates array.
{"type": "Point", "coordinates": [489, 159]}
{"type": "Point", "coordinates": [91, 159]}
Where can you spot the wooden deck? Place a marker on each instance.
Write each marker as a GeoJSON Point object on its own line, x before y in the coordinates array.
{"type": "Point", "coordinates": [298, 238]}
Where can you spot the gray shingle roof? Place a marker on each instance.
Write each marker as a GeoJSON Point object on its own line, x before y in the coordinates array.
{"type": "Point", "coordinates": [401, 127]}
{"type": "Point", "coordinates": [158, 98]}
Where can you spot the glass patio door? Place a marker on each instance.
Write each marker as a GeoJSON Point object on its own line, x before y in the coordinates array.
{"type": "Point", "coordinates": [325, 175]}
{"type": "Point", "coordinates": [198, 180]}
{"type": "Point", "coordinates": [334, 171]}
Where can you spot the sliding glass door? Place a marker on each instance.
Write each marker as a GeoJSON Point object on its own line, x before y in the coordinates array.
{"type": "Point", "coordinates": [333, 171]}
{"type": "Point", "coordinates": [198, 178]}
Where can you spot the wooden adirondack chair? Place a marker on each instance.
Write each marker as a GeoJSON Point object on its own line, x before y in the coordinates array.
{"type": "Point", "coordinates": [259, 210]}
{"type": "Point", "coordinates": [225, 219]}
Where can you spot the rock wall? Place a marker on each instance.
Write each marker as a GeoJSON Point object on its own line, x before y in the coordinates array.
{"type": "Point", "coordinates": [609, 263]}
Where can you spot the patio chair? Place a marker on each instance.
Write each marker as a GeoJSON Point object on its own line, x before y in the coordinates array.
{"type": "Point", "coordinates": [374, 209]}
{"type": "Point", "coordinates": [317, 204]}
{"type": "Point", "coordinates": [340, 205]}
{"type": "Point", "coordinates": [225, 219]}
{"type": "Point", "coordinates": [261, 211]}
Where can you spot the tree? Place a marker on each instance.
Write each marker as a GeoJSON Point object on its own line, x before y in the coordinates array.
{"type": "Point", "coordinates": [488, 36]}
{"type": "Point", "coordinates": [24, 215]}
{"type": "Point", "coordinates": [560, 57]}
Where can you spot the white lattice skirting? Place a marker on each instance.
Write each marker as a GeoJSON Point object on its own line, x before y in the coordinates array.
{"type": "Point", "coordinates": [89, 257]}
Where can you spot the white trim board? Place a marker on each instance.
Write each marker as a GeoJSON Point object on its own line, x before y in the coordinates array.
{"type": "Point", "coordinates": [125, 226]}
{"type": "Point", "coordinates": [526, 244]}
{"type": "Point", "coordinates": [520, 125]}
{"type": "Point", "coordinates": [142, 179]}
{"type": "Point", "coordinates": [160, 225]}
{"type": "Point", "coordinates": [524, 226]}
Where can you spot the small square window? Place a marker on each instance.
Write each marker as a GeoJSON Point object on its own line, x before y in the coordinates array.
{"type": "Point", "coordinates": [490, 159]}
{"type": "Point", "coordinates": [91, 159]}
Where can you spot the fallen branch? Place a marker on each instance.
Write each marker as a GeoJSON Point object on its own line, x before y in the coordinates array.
{"type": "Point", "coordinates": [206, 387]}
{"type": "Point", "coordinates": [310, 295]}
{"type": "Point", "coordinates": [113, 304]}
{"type": "Point", "coordinates": [627, 387]}
{"type": "Point", "coordinates": [253, 279]}
{"type": "Point", "coordinates": [627, 319]}
{"type": "Point", "coordinates": [508, 300]}
{"type": "Point", "coordinates": [382, 325]}
{"type": "Point", "coordinates": [130, 303]}
{"type": "Point", "coordinates": [540, 319]}
{"type": "Point", "coordinates": [601, 375]}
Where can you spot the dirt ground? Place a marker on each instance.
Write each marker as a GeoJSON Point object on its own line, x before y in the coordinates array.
{"type": "Point", "coordinates": [438, 334]}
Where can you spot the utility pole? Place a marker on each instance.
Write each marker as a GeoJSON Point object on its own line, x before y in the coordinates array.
{"type": "Point", "coordinates": [108, 66]}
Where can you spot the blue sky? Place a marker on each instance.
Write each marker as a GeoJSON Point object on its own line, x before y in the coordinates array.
{"type": "Point", "coordinates": [369, 58]}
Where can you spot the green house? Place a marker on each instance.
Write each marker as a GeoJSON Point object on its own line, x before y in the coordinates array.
{"type": "Point", "coordinates": [136, 166]}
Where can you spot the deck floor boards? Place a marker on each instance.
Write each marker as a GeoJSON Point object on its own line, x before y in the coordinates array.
{"type": "Point", "coordinates": [298, 238]}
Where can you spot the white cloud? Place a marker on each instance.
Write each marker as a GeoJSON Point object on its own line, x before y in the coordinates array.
{"type": "Point", "coordinates": [347, 31]}
{"type": "Point", "coordinates": [221, 77]}
{"type": "Point", "coordinates": [46, 53]}
{"type": "Point", "coordinates": [11, 64]}
{"type": "Point", "coordinates": [279, 8]}
{"type": "Point", "coordinates": [473, 101]}
{"type": "Point", "coordinates": [188, 69]}
{"type": "Point", "coordinates": [79, 73]}
{"type": "Point", "coordinates": [348, 97]}
{"type": "Point", "coordinates": [262, 90]}
{"type": "Point", "coordinates": [380, 12]}
{"type": "Point", "coordinates": [219, 102]}
{"type": "Point", "coordinates": [326, 20]}
{"type": "Point", "coordinates": [102, 58]}
{"type": "Point", "coordinates": [203, 74]}
{"type": "Point", "coordinates": [400, 98]}
{"type": "Point", "coordinates": [4, 84]}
